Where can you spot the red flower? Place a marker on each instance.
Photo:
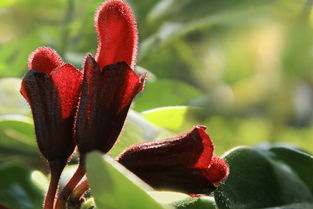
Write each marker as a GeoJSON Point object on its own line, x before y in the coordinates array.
{"type": "Point", "coordinates": [109, 84]}
{"type": "Point", "coordinates": [100, 100]}
{"type": "Point", "coordinates": [184, 163]}
{"type": "Point", "coordinates": [52, 89]}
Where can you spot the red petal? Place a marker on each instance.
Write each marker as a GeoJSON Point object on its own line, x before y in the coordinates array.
{"type": "Point", "coordinates": [189, 150]}
{"type": "Point", "coordinates": [44, 59]}
{"type": "Point", "coordinates": [24, 92]}
{"type": "Point", "coordinates": [117, 34]}
{"type": "Point", "coordinates": [206, 156]}
{"type": "Point", "coordinates": [218, 171]}
{"type": "Point", "coordinates": [67, 80]}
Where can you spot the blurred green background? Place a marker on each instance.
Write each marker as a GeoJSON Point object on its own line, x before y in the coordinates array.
{"type": "Point", "coordinates": [242, 68]}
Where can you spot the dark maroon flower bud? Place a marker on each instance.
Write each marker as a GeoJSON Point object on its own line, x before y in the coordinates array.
{"type": "Point", "coordinates": [184, 163]}
{"type": "Point", "coordinates": [105, 100]}
{"type": "Point", "coordinates": [109, 83]}
{"type": "Point", "coordinates": [52, 89]}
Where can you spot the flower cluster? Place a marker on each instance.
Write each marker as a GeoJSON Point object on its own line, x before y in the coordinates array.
{"type": "Point", "coordinates": [88, 110]}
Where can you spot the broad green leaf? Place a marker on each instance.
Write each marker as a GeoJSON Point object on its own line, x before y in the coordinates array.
{"type": "Point", "coordinates": [184, 201]}
{"type": "Point", "coordinates": [17, 191]}
{"type": "Point", "coordinates": [294, 206]}
{"type": "Point", "coordinates": [11, 100]}
{"type": "Point", "coordinates": [176, 118]}
{"type": "Point", "coordinates": [17, 139]}
{"type": "Point", "coordinates": [165, 93]}
{"type": "Point", "coordinates": [114, 187]}
{"type": "Point", "coordinates": [19, 128]}
{"type": "Point", "coordinates": [257, 181]}
{"type": "Point", "coordinates": [197, 203]}
{"type": "Point", "coordinates": [300, 162]}
{"type": "Point", "coordinates": [136, 129]}
{"type": "Point", "coordinates": [166, 197]}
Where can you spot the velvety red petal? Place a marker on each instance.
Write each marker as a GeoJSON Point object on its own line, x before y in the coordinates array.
{"type": "Point", "coordinates": [53, 132]}
{"type": "Point", "coordinates": [117, 34]}
{"type": "Point", "coordinates": [24, 92]}
{"type": "Point", "coordinates": [206, 156]}
{"type": "Point", "coordinates": [104, 103]}
{"type": "Point", "coordinates": [185, 151]}
{"type": "Point", "coordinates": [44, 60]}
{"type": "Point", "coordinates": [173, 164]}
{"type": "Point", "coordinates": [67, 80]}
{"type": "Point", "coordinates": [218, 171]}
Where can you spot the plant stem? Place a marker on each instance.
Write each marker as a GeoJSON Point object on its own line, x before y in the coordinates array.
{"type": "Point", "coordinates": [68, 189]}
{"type": "Point", "coordinates": [56, 168]}
{"type": "Point", "coordinates": [78, 192]}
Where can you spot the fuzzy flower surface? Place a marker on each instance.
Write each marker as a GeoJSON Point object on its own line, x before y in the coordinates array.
{"type": "Point", "coordinates": [109, 83]}
{"type": "Point", "coordinates": [52, 89]}
{"type": "Point", "coordinates": [88, 110]}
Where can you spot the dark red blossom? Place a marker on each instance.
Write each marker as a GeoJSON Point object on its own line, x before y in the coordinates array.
{"type": "Point", "coordinates": [52, 89]}
{"type": "Point", "coordinates": [109, 83]}
{"type": "Point", "coordinates": [184, 163]}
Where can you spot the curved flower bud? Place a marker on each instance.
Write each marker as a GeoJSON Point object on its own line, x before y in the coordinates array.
{"type": "Point", "coordinates": [109, 84]}
{"type": "Point", "coordinates": [184, 163]}
{"type": "Point", "coordinates": [52, 89]}
{"type": "Point", "coordinates": [105, 101]}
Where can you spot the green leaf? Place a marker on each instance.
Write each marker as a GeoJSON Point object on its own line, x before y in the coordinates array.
{"type": "Point", "coordinates": [19, 128]}
{"type": "Point", "coordinates": [17, 139]}
{"type": "Point", "coordinates": [300, 162]}
{"type": "Point", "coordinates": [114, 187]}
{"type": "Point", "coordinates": [11, 99]}
{"type": "Point", "coordinates": [184, 201]}
{"type": "Point", "coordinates": [165, 93]}
{"type": "Point", "coordinates": [136, 129]}
{"type": "Point", "coordinates": [257, 181]}
{"type": "Point", "coordinates": [17, 191]}
{"type": "Point", "coordinates": [197, 203]}
{"type": "Point", "coordinates": [176, 119]}
{"type": "Point", "coordinates": [165, 197]}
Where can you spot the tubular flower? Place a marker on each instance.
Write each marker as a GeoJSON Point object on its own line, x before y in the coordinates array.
{"type": "Point", "coordinates": [52, 89]}
{"type": "Point", "coordinates": [184, 163]}
{"type": "Point", "coordinates": [109, 83]}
